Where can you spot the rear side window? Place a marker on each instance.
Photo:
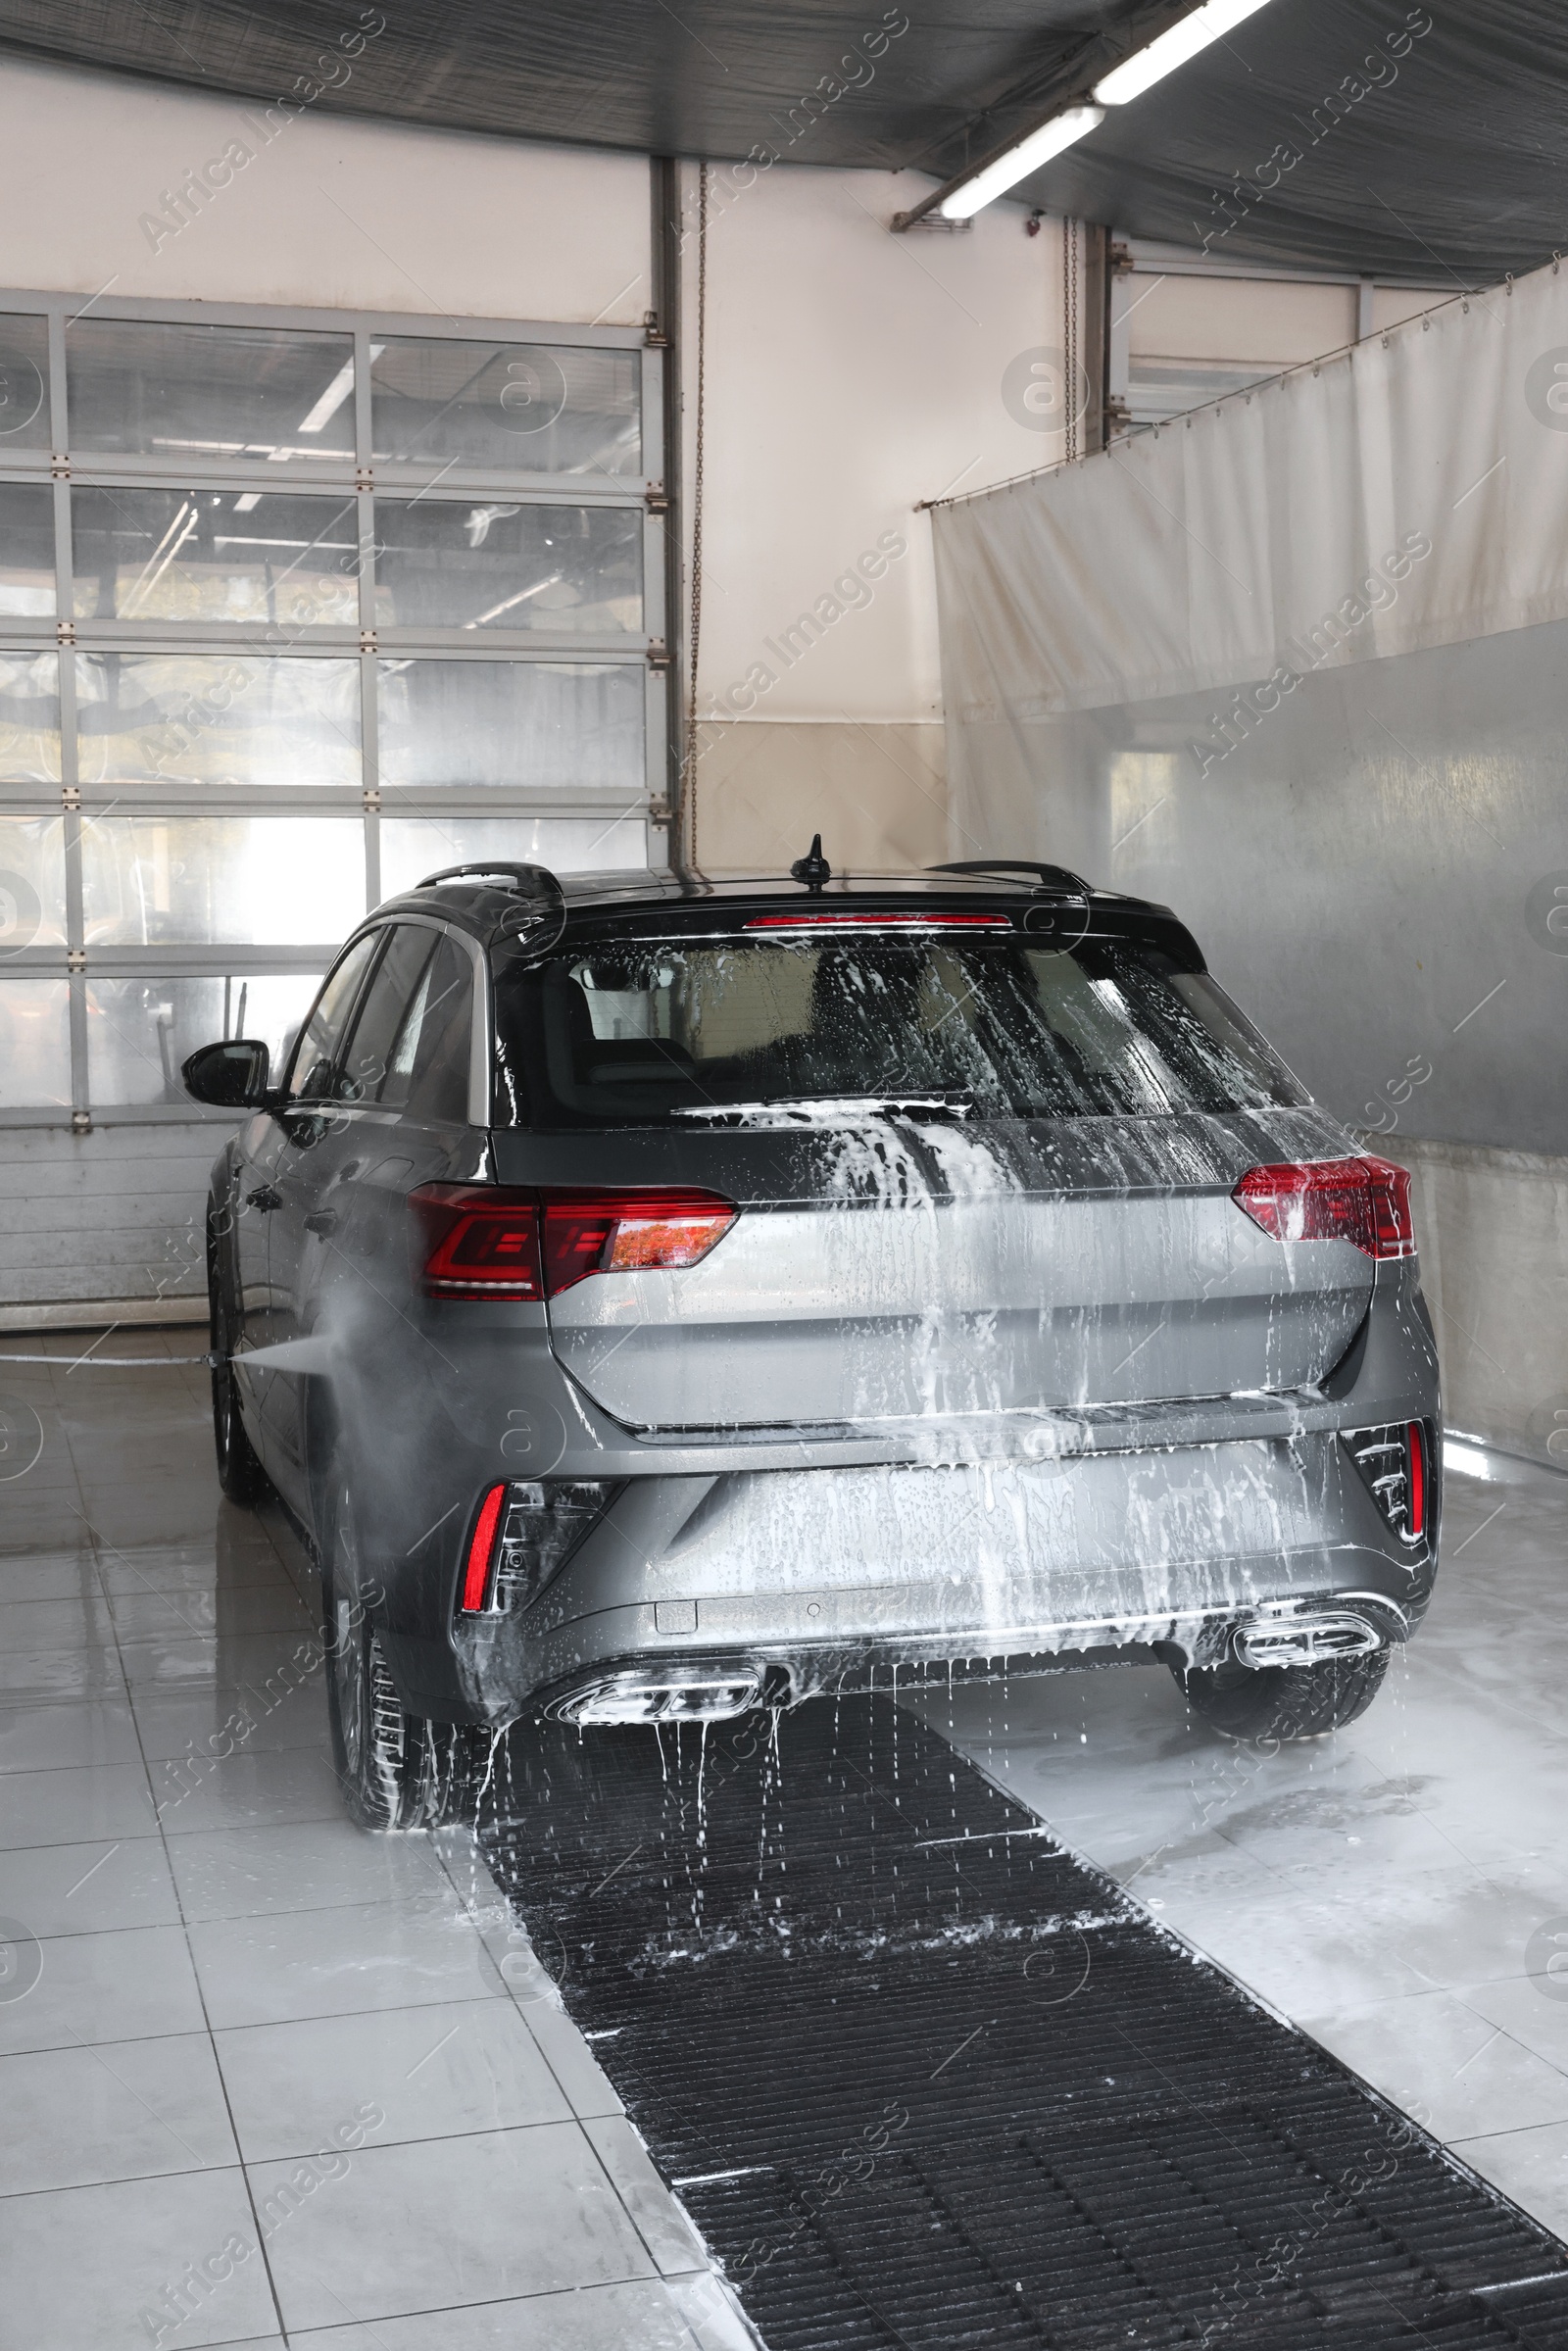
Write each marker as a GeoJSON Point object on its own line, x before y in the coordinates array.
{"type": "Point", "coordinates": [315, 1058]}
{"type": "Point", "coordinates": [382, 1028]}
{"type": "Point", "coordinates": [662, 1030]}
{"type": "Point", "coordinates": [428, 1067]}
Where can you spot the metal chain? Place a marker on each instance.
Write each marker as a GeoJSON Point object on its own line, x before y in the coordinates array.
{"type": "Point", "coordinates": [1070, 352]}
{"type": "Point", "coordinates": [689, 779]}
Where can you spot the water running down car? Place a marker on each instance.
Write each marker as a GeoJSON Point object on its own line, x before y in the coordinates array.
{"type": "Point", "coordinates": [660, 1299]}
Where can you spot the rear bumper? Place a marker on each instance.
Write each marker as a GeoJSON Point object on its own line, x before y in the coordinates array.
{"type": "Point", "coordinates": [642, 1683]}
{"type": "Point", "coordinates": [783, 1584]}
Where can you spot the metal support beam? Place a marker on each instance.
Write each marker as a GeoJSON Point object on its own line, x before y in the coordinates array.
{"type": "Point", "coordinates": [664, 271]}
{"type": "Point", "coordinates": [1118, 340]}
{"type": "Point", "coordinates": [1094, 335]}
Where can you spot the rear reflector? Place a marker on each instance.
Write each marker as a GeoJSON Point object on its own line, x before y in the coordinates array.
{"type": "Point", "coordinates": [524, 1535]}
{"type": "Point", "coordinates": [880, 922]}
{"type": "Point", "coordinates": [1393, 1460]}
{"type": "Point", "coordinates": [482, 1550]}
{"type": "Point", "coordinates": [1365, 1202]}
{"type": "Point", "coordinates": [481, 1241]}
{"type": "Point", "coordinates": [1416, 1471]}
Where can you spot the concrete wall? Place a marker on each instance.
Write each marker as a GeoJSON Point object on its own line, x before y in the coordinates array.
{"type": "Point", "coordinates": [1493, 1230]}
{"type": "Point", "coordinates": [333, 214]}
{"type": "Point", "coordinates": [874, 791]}
{"type": "Point", "coordinates": [850, 374]}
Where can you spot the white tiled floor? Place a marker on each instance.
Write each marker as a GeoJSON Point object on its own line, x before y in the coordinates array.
{"type": "Point", "coordinates": [270, 2074]}
{"type": "Point", "coordinates": [1389, 1889]}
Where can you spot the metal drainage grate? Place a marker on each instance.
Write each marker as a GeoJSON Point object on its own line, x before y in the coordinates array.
{"type": "Point", "coordinates": [922, 2079]}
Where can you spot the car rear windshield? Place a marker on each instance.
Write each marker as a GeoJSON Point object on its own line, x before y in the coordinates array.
{"type": "Point", "coordinates": [654, 1030]}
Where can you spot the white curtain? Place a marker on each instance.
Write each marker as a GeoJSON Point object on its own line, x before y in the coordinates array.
{"type": "Point", "coordinates": [1188, 669]}
{"type": "Point", "coordinates": [1298, 665]}
{"type": "Point", "coordinates": [1407, 494]}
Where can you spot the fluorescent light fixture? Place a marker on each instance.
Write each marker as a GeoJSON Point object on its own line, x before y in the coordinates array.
{"type": "Point", "coordinates": [1466, 1460]}
{"type": "Point", "coordinates": [342, 384]}
{"type": "Point", "coordinates": [332, 400]}
{"type": "Point", "coordinates": [1146, 67]}
{"type": "Point", "coordinates": [1019, 161]}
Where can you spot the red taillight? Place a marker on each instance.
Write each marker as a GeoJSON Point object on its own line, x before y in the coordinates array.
{"type": "Point", "coordinates": [1416, 1481]}
{"type": "Point", "coordinates": [482, 1550]}
{"type": "Point", "coordinates": [626, 1232]}
{"type": "Point", "coordinates": [880, 922]}
{"type": "Point", "coordinates": [479, 1242]}
{"type": "Point", "coordinates": [483, 1242]}
{"type": "Point", "coordinates": [1365, 1202]}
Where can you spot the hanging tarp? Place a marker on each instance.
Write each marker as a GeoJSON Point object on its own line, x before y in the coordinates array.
{"type": "Point", "coordinates": [1410, 493]}
{"type": "Point", "coordinates": [1298, 667]}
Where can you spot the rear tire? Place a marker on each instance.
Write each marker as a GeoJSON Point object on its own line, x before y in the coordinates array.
{"type": "Point", "coordinates": [397, 1769]}
{"type": "Point", "coordinates": [1278, 1702]}
{"type": "Point", "coordinates": [239, 1468]}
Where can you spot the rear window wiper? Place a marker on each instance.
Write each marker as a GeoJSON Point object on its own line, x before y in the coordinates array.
{"type": "Point", "coordinates": [820, 1110]}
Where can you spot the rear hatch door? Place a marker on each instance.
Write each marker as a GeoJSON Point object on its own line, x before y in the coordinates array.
{"type": "Point", "coordinates": [976, 1175]}
{"type": "Point", "coordinates": [933, 1272]}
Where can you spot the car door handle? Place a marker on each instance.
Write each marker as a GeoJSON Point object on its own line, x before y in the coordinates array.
{"type": "Point", "coordinates": [322, 1221]}
{"type": "Point", "coordinates": [265, 1199]}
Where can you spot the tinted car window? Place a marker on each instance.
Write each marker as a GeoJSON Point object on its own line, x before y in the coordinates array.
{"type": "Point", "coordinates": [384, 1018]}
{"type": "Point", "coordinates": [654, 1030]}
{"type": "Point", "coordinates": [427, 1069]}
{"type": "Point", "coordinates": [315, 1056]}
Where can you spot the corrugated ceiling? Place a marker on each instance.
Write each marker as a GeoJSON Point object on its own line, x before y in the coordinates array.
{"type": "Point", "coordinates": [1442, 158]}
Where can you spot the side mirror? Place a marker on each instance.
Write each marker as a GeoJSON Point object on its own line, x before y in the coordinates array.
{"type": "Point", "coordinates": [231, 1076]}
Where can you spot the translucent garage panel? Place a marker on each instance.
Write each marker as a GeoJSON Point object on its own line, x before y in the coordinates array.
{"type": "Point", "coordinates": [256, 557]}
{"type": "Point", "coordinates": [439, 565]}
{"type": "Point", "coordinates": [139, 1031]}
{"type": "Point", "coordinates": [510, 724]}
{"type": "Point", "coordinates": [34, 1043]}
{"type": "Point", "coordinates": [29, 717]}
{"type": "Point", "coordinates": [186, 390]}
{"type": "Point", "coordinates": [412, 847]}
{"type": "Point", "coordinates": [526, 408]}
{"type": "Point", "coordinates": [291, 881]}
{"type": "Point", "coordinates": [217, 718]}
{"type": "Point", "coordinates": [23, 382]}
{"type": "Point", "coordinates": [32, 883]}
{"type": "Point", "coordinates": [26, 550]}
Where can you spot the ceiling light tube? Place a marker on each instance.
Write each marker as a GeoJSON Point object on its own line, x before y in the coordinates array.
{"type": "Point", "coordinates": [332, 398]}
{"type": "Point", "coordinates": [1146, 67]}
{"type": "Point", "coordinates": [1019, 161]}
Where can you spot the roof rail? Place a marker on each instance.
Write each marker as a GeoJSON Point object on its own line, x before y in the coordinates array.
{"type": "Point", "coordinates": [1052, 877]}
{"type": "Point", "coordinates": [492, 865]}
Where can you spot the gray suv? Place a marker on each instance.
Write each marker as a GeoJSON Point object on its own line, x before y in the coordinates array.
{"type": "Point", "coordinates": [659, 1298]}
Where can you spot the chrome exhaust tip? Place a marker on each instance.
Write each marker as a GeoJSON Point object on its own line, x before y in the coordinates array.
{"type": "Point", "coordinates": [667, 1697]}
{"type": "Point", "coordinates": [1305, 1640]}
